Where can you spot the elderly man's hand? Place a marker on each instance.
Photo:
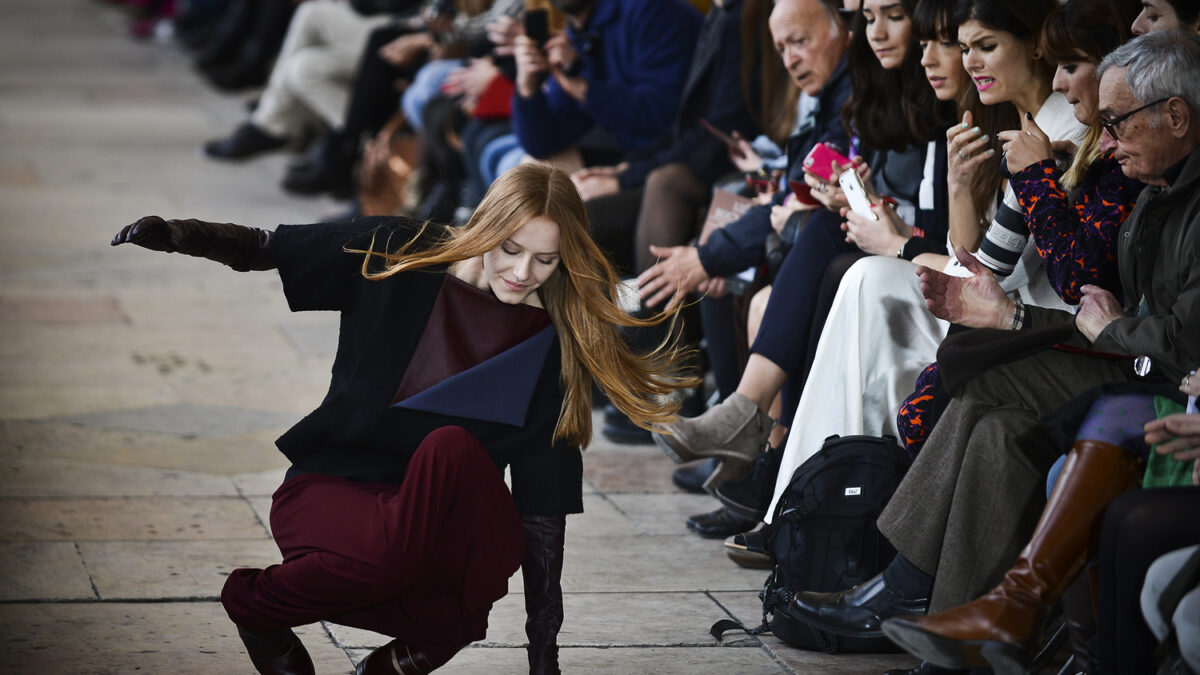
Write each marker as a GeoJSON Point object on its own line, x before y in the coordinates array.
{"type": "Point", "coordinates": [677, 273]}
{"type": "Point", "coordinates": [976, 301]}
{"type": "Point", "coordinates": [1097, 309]}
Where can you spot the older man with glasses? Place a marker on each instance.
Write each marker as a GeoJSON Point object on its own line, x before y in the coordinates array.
{"type": "Point", "coordinates": [970, 501]}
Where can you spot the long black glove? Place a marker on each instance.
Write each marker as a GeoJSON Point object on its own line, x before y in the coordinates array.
{"type": "Point", "coordinates": [542, 572]}
{"type": "Point", "coordinates": [242, 248]}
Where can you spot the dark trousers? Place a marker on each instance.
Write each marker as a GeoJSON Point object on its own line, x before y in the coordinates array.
{"type": "Point", "coordinates": [788, 322]}
{"type": "Point", "coordinates": [374, 98]}
{"type": "Point", "coordinates": [422, 561]}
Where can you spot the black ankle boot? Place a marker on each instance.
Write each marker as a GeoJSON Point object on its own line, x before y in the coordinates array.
{"type": "Point", "coordinates": [750, 494]}
{"type": "Point", "coordinates": [276, 652]}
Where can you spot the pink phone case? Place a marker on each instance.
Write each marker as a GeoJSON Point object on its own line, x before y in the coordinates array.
{"type": "Point", "coordinates": [820, 161]}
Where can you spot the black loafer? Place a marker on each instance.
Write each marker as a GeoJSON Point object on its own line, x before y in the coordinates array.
{"type": "Point", "coordinates": [853, 617]}
{"type": "Point", "coordinates": [691, 478]}
{"type": "Point", "coordinates": [719, 524]}
{"type": "Point", "coordinates": [245, 141]}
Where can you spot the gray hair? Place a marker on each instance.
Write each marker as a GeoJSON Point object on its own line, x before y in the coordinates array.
{"type": "Point", "coordinates": [1159, 65]}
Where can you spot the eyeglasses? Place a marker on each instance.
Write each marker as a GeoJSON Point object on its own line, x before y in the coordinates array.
{"type": "Point", "coordinates": [1111, 125]}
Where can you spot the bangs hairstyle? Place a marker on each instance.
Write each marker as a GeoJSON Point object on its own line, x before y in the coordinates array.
{"type": "Point", "coordinates": [1087, 30]}
{"type": "Point", "coordinates": [933, 21]}
{"type": "Point", "coordinates": [879, 97]}
{"type": "Point", "coordinates": [580, 296]}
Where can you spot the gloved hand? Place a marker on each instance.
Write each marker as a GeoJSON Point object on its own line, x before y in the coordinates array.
{"type": "Point", "coordinates": [242, 248]}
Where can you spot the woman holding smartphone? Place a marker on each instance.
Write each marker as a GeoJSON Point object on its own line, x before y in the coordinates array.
{"type": "Point", "coordinates": [462, 352]}
{"type": "Point", "coordinates": [888, 85]}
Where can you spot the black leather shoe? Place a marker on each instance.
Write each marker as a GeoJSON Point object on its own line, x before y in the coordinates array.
{"type": "Point", "coordinates": [750, 494]}
{"type": "Point", "coordinates": [619, 429]}
{"type": "Point", "coordinates": [245, 141]}
{"type": "Point", "coordinates": [719, 524]}
{"type": "Point", "coordinates": [927, 668]}
{"type": "Point", "coordinates": [394, 658]}
{"type": "Point", "coordinates": [327, 168]}
{"type": "Point", "coordinates": [691, 478]}
{"type": "Point", "coordinates": [276, 652]}
{"type": "Point", "coordinates": [852, 617]}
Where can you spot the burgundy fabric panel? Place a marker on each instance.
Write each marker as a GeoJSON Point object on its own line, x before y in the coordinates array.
{"type": "Point", "coordinates": [467, 327]}
{"type": "Point", "coordinates": [422, 561]}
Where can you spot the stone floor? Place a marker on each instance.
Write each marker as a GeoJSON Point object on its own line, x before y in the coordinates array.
{"type": "Point", "coordinates": [140, 394]}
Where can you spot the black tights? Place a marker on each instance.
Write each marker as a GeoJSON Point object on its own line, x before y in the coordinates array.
{"type": "Point", "coordinates": [1139, 527]}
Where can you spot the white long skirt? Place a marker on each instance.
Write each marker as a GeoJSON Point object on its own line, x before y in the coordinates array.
{"type": "Point", "coordinates": [879, 336]}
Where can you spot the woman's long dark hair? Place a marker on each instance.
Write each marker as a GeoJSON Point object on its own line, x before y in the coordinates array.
{"type": "Point", "coordinates": [879, 97]}
{"type": "Point", "coordinates": [1187, 11]}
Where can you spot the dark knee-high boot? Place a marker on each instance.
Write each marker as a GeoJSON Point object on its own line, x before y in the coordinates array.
{"type": "Point", "coordinates": [276, 652]}
{"type": "Point", "coordinates": [1000, 628]}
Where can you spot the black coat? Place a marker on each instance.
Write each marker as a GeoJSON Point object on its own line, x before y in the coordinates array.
{"type": "Point", "coordinates": [355, 433]}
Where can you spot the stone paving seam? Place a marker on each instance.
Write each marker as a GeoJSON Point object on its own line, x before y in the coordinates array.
{"type": "Point", "coordinates": [83, 561]}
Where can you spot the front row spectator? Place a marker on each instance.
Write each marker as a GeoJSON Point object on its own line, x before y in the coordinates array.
{"type": "Point", "coordinates": [966, 497]}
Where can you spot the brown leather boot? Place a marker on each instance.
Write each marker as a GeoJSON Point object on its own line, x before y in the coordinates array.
{"type": "Point", "coordinates": [998, 630]}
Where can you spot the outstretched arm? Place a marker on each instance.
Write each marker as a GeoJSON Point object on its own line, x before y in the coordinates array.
{"type": "Point", "coordinates": [242, 248]}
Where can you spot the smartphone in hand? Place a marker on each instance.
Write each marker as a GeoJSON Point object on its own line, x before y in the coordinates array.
{"type": "Point", "coordinates": [820, 160]}
{"type": "Point", "coordinates": [720, 135]}
{"type": "Point", "coordinates": [803, 192]}
{"type": "Point", "coordinates": [856, 194]}
{"type": "Point", "coordinates": [537, 26]}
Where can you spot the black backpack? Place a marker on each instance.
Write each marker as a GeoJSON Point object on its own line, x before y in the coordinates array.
{"type": "Point", "coordinates": [822, 535]}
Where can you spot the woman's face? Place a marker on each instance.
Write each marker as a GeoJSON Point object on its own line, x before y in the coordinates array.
{"type": "Point", "coordinates": [942, 61]}
{"type": "Point", "coordinates": [518, 267]}
{"type": "Point", "coordinates": [1077, 81]}
{"type": "Point", "coordinates": [1000, 65]}
{"type": "Point", "coordinates": [1156, 15]}
{"type": "Point", "coordinates": [889, 31]}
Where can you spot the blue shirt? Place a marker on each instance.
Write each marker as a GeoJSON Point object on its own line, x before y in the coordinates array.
{"type": "Point", "coordinates": [635, 56]}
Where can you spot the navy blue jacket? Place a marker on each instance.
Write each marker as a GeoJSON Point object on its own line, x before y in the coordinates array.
{"type": "Point", "coordinates": [635, 56]}
{"type": "Point", "coordinates": [713, 91]}
{"type": "Point", "coordinates": [741, 244]}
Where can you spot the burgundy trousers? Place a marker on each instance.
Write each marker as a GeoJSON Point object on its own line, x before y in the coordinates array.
{"type": "Point", "coordinates": [422, 561]}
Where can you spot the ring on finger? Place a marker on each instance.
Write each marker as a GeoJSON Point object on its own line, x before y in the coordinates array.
{"type": "Point", "coordinates": [962, 156]}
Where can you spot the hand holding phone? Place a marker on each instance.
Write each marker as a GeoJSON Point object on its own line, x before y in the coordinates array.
{"type": "Point", "coordinates": [720, 135]}
{"type": "Point", "coordinates": [803, 192]}
{"type": "Point", "coordinates": [537, 26]}
{"type": "Point", "coordinates": [856, 194]}
{"type": "Point", "coordinates": [820, 161]}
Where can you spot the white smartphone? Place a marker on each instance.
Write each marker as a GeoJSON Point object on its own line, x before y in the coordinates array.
{"type": "Point", "coordinates": [856, 193]}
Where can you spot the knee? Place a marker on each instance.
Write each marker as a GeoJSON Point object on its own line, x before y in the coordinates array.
{"type": "Point", "coordinates": [452, 444]}
{"type": "Point", "coordinates": [670, 178]}
{"type": "Point", "coordinates": [237, 597]}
